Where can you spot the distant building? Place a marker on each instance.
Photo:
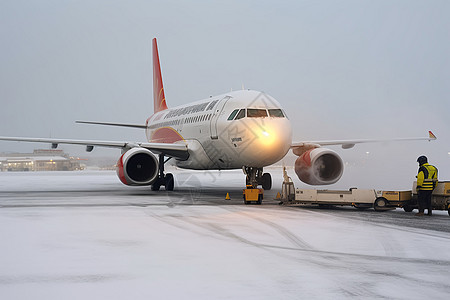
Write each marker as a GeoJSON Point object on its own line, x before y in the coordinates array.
{"type": "Point", "coordinates": [39, 160]}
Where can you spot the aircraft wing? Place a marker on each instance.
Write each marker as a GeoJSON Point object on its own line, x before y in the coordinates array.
{"type": "Point", "coordinates": [113, 124]}
{"type": "Point", "coordinates": [347, 144]}
{"type": "Point", "coordinates": [179, 151]}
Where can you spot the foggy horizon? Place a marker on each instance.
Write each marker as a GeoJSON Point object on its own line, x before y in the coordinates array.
{"type": "Point", "coordinates": [340, 69]}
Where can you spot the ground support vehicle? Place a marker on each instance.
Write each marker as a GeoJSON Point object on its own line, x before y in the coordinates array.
{"type": "Point", "coordinates": [253, 195]}
{"type": "Point", "coordinates": [440, 198]}
{"type": "Point", "coordinates": [358, 198]}
{"type": "Point", "coordinates": [390, 199]}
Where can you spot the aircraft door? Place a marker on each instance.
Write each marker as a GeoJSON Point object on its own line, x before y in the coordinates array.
{"type": "Point", "coordinates": [218, 111]}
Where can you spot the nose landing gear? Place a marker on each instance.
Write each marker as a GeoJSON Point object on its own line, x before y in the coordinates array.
{"type": "Point", "coordinates": [255, 177]}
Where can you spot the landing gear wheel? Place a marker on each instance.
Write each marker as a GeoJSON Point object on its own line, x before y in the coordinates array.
{"type": "Point", "coordinates": [380, 204]}
{"type": "Point", "coordinates": [156, 186]}
{"type": "Point", "coordinates": [266, 181]}
{"type": "Point", "coordinates": [169, 182]}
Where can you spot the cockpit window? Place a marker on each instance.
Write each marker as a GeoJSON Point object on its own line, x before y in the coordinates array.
{"type": "Point", "coordinates": [276, 113]}
{"type": "Point", "coordinates": [241, 114]}
{"type": "Point", "coordinates": [256, 113]}
{"type": "Point", "coordinates": [233, 114]}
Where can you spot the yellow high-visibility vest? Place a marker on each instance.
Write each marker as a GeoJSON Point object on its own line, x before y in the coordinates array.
{"type": "Point", "coordinates": [427, 177]}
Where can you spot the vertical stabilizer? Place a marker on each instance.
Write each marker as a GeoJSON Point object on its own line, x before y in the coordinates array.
{"type": "Point", "coordinates": [159, 100]}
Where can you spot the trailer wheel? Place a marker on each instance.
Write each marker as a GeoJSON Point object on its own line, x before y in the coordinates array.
{"type": "Point", "coordinates": [325, 206]}
{"type": "Point", "coordinates": [260, 197]}
{"type": "Point", "coordinates": [380, 204]}
{"type": "Point", "coordinates": [362, 206]}
{"type": "Point", "coordinates": [407, 208]}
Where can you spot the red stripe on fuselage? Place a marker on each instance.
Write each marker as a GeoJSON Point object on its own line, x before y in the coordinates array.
{"type": "Point", "coordinates": [166, 135]}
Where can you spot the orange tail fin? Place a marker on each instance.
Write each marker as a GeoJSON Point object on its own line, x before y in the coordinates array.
{"type": "Point", "coordinates": [159, 100]}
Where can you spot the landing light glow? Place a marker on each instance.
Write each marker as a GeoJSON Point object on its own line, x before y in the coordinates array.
{"type": "Point", "coordinates": [266, 137]}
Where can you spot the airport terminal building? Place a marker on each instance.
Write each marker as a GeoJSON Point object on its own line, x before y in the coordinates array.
{"type": "Point", "coordinates": [39, 160]}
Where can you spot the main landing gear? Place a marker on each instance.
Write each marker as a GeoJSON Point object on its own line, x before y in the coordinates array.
{"type": "Point", "coordinates": [255, 177]}
{"type": "Point", "coordinates": [165, 180]}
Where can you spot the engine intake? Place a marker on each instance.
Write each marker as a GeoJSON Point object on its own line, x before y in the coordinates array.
{"type": "Point", "coordinates": [137, 166]}
{"type": "Point", "coordinates": [319, 166]}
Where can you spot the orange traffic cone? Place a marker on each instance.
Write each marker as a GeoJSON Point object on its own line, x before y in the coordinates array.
{"type": "Point", "coordinates": [228, 197]}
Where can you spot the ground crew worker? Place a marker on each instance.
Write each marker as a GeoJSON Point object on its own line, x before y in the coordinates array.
{"type": "Point", "coordinates": [426, 182]}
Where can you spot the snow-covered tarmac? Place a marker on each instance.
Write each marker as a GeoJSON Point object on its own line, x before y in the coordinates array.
{"type": "Point", "coordinates": [83, 235]}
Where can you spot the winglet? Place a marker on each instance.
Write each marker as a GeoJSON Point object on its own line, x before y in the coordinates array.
{"type": "Point", "coordinates": [431, 135]}
{"type": "Point", "coordinates": [159, 100]}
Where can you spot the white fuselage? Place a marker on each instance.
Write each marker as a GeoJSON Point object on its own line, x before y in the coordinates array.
{"type": "Point", "coordinates": [221, 136]}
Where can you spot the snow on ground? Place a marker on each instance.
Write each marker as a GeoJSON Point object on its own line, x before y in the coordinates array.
{"type": "Point", "coordinates": [85, 236]}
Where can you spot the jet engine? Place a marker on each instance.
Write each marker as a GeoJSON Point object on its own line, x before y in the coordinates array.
{"type": "Point", "coordinates": [319, 166]}
{"type": "Point", "coordinates": [137, 166]}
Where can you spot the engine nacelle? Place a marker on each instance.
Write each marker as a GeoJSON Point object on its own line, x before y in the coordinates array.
{"type": "Point", "coordinates": [319, 166]}
{"type": "Point", "coordinates": [137, 166]}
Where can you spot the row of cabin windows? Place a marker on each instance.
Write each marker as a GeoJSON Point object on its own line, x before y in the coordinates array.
{"type": "Point", "coordinates": [256, 113]}
{"type": "Point", "coordinates": [198, 119]}
{"type": "Point", "coordinates": [187, 120]}
{"type": "Point", "coordinates": [165, 124]}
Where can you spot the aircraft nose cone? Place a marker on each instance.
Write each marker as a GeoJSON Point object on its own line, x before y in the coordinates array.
{"type": "Point", "coordinates": [270, 143]}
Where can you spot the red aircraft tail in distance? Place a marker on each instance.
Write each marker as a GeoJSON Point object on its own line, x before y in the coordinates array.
{"type": "Point", "coordinates": [431, 135]}
{"type": "Point", "coordinates": [159, 100]}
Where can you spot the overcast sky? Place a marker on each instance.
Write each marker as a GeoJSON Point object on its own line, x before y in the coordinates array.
{"type": "Point", "coordinates": [341, 69]}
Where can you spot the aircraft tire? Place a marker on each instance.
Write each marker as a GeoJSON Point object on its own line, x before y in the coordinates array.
{"type": "Point", "coordinates": [266, 181]}
{"type": "Point", "coordinates": [169, 182]}
{"type": "Point", "coordinates": [156, 186]}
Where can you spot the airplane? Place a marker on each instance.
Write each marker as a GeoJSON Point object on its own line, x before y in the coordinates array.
{"type": "Point", "coordinates": [244, 129]}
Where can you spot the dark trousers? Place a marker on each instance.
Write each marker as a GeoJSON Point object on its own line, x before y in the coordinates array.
{"type": "Point", "coordinates": [424, 201]}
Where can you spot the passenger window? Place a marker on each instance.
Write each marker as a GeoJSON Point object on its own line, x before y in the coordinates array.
{"type": "Point", "coordinates": [241, 114]}
{"type": "Point", "coordinates": [276, 113]}
{"type": "Point", "coordinates": [233, 114]}
{"type": "Point", "coordinates": [256, 113]}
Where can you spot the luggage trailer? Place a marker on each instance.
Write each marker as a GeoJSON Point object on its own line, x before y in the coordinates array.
{"type": "Point", "coordinates": [358, 198]}
{"type": "Point", "coordinates": [368, 198]}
